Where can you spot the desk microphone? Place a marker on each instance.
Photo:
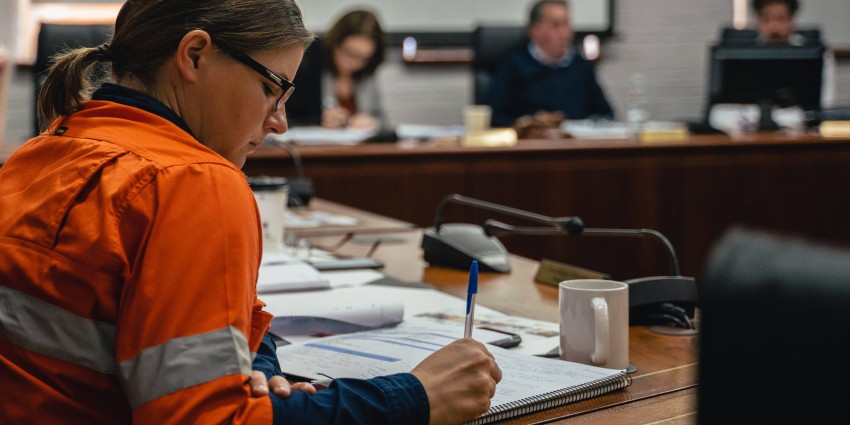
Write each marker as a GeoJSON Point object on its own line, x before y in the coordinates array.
{"type": "Point", "coordinates": [672, 297]}
{"type": "Point", "coordinates": [570, 225]}
{"type": "Point", "coordinates": [497, 228]}
{"type": "Point", "coordinates": [300, 186]}
{"type": "Point", "coordinates": [455, 245]}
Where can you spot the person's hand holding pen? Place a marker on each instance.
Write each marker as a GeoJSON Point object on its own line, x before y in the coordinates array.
{"type": "Point", "coordinates": [335, 117]}
{"type": "Point", "coordinates": [460, 379]}
{"type": "Point", "coordinates": [338, 117]}
{"type": "Point", "coordinates": [361, 120]}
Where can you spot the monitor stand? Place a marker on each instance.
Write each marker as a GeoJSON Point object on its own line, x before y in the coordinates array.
{"type": "Point", "coordinates": [766, 122]}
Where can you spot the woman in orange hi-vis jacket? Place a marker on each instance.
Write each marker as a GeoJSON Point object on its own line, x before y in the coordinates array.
{"type": "Point", "coordinates": [130, 240]}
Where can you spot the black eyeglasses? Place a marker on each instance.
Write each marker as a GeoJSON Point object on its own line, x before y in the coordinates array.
{"type": "Point", "coordinates": [285, 85]}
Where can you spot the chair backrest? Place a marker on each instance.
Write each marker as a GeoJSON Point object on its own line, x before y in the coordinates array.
{"type": "Point", "coordinates": [810, 36]}
{"type": "Point", "coordinates": [305, 105]}
{"type": "Point", "coordinates": [775, 330]}
{"type": "Point", "coordinates": [490, 44]}
{"type": "Point", "coordinates": [55, 38]}
{"type": "Point", "coordinates": [802, 36]}
{"type": "Point", "coordinates": [730, 35]}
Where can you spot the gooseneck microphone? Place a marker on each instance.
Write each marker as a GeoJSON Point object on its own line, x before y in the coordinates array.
{"type": "Point", "coordinates": [670, 298]}
{"type": "Point", "coordinates": [289, 147]}
{"type": "Point", "coordinates": [455, 245]}
{"type": "Point", "coordinates": [300, 186]}
{"type": "Point", "coordinates": [497, 228]}
{"type": "Point", "coordinates": [570, 225]}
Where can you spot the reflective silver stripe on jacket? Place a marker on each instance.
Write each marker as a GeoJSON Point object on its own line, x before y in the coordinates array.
{"type": "Point", "coordinates": [183, 362]}
{"type": "Point", "coordinates": [47, 329]}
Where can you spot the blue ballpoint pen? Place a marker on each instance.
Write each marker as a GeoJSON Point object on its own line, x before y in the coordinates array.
{"type": "Point", "coordinates": [471, 291]}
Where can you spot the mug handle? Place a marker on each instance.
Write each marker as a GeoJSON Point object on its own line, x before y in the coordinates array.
{"type": "Point", "coordinates": [600, 316]}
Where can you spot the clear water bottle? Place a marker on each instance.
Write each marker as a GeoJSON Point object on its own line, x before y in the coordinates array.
{"type": "Point", "coordinates": [637, 107]}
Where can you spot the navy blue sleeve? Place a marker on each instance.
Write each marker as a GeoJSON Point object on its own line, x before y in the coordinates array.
{"type": "Point", "coordinates": [266, 360]}
{"type": "Point", "coordinates": [394, 399]}
{"type": "Point", "coordinates": [598, 104]}
{"type": "Point", "coordinates": [500, 94]}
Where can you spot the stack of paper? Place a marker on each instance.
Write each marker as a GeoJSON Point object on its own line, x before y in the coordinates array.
{"type": "Point", "coordinates": [429, 132]}
{"type": "Point", "coordinates": [282, 272]}
{"type": "Point", "coordinates": [310, 135]}
{"type": "Point", "coordinates": [336, 319]}
{"type": "Point", "coordinates": [528, 383]}
{"type": "Point", "coordinates": [590, 129]}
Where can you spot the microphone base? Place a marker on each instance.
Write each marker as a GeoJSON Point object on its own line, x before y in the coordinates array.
{"type": "Point", "coordinates": [300, 191]}
{"type": "Point", "coordinates": [457, 244]}
{"type": "Point", "coordinates": [647, 294]}
{"type": "Point", "coordinates": [670, 330]}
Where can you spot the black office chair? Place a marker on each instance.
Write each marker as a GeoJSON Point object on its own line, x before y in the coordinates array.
{"type": "Point", "coordinates": [733, 36]}
{"type": "Point", "coordinates": [737, 37]}
{"type": "Point", "coordinates": [490, 44]}
{"type": "Point", "coordinates": [775, 331]}
{"type": "Point", "coordinates": [55, 38]}
{"type": "Point", "coordinates": [810, 36]}
{"type": "Point", "coordinates": [305, 106]}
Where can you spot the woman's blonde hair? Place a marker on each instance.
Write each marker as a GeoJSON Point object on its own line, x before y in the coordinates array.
{"type": "Point", "coordinates": [147, 32]}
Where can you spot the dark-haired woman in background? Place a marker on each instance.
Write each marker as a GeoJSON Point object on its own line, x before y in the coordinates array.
{"type": "Point", "coordinates": [353, 48]}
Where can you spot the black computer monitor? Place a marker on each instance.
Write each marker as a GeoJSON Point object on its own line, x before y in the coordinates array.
{"type": "Point", "coordinates": [766, 75]}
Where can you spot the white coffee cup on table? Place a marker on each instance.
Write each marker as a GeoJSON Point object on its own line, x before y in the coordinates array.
{"type": "Point", "coordinates": [594, 319]}
{"type": "Point", "coordinates": [272, 195]}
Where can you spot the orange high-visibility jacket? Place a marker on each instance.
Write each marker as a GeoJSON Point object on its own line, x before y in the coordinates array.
{"type": "Point", "coordinates": [128, 257]}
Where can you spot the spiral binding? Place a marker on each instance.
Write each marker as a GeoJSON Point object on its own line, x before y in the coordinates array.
{"type": "Point", "coordinates": [553, 399]}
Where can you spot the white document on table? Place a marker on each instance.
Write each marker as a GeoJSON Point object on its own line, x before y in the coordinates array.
{"type": "Point", "coordinates": [381, 352]}
{"type": "Point", "coordinates": [281, 272]}
{"type": "Point", "coordinates": [316, 135]}
{"type": "Point", "coordinates": [538, 337]}
{"type": "Point", "coordinates": [337, 319]}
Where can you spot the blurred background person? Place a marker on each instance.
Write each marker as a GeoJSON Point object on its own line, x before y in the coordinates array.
{"type": "Point", "coordinates": [353, 49]}
{"type": "Point", "coordinates": [776, 23]}
{"type": "Point", "coordinates": [547, 75]}
{"type": "Point", "coordinates": [775, 20]}
{"type": "Point", "coordinates": [337, 87]}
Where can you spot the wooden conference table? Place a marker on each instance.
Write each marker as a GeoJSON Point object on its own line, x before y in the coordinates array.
{"type": "Point", "coordinates": [663, 387]}
{"type": "Point", "coordinates": [689, 191]}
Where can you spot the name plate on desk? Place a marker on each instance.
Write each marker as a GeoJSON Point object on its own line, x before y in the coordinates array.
{"type": "Point", "coordinates": [496, 137]}
{"type": "Point", "coordinates": [553, 273]}
{"type": "Point", "coordinates": [656, 131]}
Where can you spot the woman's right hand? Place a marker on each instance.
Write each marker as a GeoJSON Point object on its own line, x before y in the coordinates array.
{"type": "Point", "coordinates": [363, 121]}
{"type": "Point", "coordinates": [335, 117]}
{"type": "Point", "coordinates": [460, 379]}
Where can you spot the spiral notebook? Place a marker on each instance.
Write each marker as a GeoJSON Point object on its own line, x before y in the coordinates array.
{"type": "Point", "coordinates": [529, 383]}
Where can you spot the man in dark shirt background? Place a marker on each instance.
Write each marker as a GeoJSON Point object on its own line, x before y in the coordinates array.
{"type": "Point", "coordinates": [548, 75]}
{"type": "Point", "coordinates": [775, 20]}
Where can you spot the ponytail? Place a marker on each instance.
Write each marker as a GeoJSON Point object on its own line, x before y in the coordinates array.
{"type": "Point", "coordinates": [69, 82]}
{"type": "Point", "coordinates": [146, 34]}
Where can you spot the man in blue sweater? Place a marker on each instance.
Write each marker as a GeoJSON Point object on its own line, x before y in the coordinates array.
{"type": "Point", "coordinates": [548, 75]}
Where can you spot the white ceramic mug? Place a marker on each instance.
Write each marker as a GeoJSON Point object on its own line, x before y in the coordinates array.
{"type": "Point", "coordinates": [272, 194]}
{"type": "Point", "coordinates": [476, 118]}
{"type": "Point", "coordinates": [594, 318]}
